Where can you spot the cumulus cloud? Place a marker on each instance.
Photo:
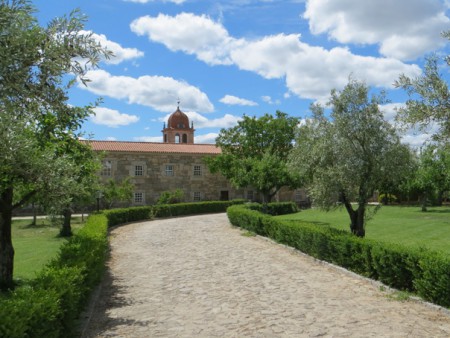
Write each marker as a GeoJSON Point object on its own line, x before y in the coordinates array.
{"type": "Point", "coordinates": [112, 118]}
{"type": "Point", "coordinates": [403, 30]}
{"type": "Point", "coordinates": [309, 71]}
{"type": "Point", "coordinates": [268, 99]}
{"type": "Point", "coordinates": [148, 139]}
{"type": "Point", "coordinates": [189, 33]}
{"type": "Point", "coordinates": [209, 138]}
{"type": "Point", "coordinates": [158, 92]}
{"type": "Point", "coordinates": [234, 100]}
{"type": "Point", "coordinates": [120, 53]}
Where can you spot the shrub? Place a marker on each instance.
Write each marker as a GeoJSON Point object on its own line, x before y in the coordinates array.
{"type": "Point", "coordinates": [180, 209]}
{"type": "Point", "coordinates": [387, 198]}
{"type": "Point", "coordinates": [126, 215]}
{"type": "Point", "coordinates": [50, 304]}
{"type": "Point", "coordinates": [421, 271]}
{"type": "Point", "coordinates": [171, 197]}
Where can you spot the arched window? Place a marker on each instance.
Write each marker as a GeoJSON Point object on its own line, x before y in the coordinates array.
{"type": "Point", "coordinates": [165, 138]}
{"type": "Point", "coordinates": [177, 138]}
{"type": "Point", "coordinates": [184, 138]}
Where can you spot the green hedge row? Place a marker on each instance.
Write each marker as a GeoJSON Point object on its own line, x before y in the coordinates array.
{"type": "Point", "coordinates": [50, 304]}
{"type": "Point", "coordinates": [274, 209]}
{"type": "Point", "coordinates": [181, 209]}
{"type": "Point", "coordinates": [126, 215]}
{"type": "Point", "coordinates": [424, 272]}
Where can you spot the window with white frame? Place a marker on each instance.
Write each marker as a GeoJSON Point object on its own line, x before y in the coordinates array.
{"type": "Point", "coordinates": [139, 170]}
{"type": "Point", "coordinates": [138, 197]}
{"type": "Point", "coordinates": [169, 170]}
{"type": "Point", "coordinates": [197, 196]}
{"type": "Point", "coordinates": [197, 170]}
{"type": "Point", "coordinates": [106, 168]}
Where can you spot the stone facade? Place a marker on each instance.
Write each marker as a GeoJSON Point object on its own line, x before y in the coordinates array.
{"type": "Point", "coordinates": [154, 173]}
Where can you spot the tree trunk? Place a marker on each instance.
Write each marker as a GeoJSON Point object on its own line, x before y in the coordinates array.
{"type": "Point", "coordinates": [6, 247]}
{"type": "Point", "coordinates": [424, 202]}
{"type": "Point", "coordinates": [356, 217]}
{"type": "Point", "coordinates": [440, 197]}
{"type": "Point", "coordinates": [66, 230]}
{"type": "Point", "coordinates": [34, 222]}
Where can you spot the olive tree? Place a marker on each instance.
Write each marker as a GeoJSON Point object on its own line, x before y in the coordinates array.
{"type": "Point", "coordinates": [345, 158]}
{"type": "Point", "coordinates": [38, 127]}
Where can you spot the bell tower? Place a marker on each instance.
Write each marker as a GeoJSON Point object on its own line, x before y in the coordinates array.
{"type": "Point", "coordinates": [177, 129]}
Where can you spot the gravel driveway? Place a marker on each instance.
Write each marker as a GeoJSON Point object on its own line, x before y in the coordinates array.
{"type": "Point", "coordinates": [200, 277]}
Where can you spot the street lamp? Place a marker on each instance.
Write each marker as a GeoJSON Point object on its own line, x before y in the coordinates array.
{"type": "Point", "coordinates": [99, 196]}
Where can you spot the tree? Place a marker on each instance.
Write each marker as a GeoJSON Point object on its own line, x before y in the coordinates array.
{"type": "Point", "coordinates": [346, 158]}
{"type": "Point", "coordinates": [255, 152]}
{"type": "Point", "coordinates": [429, 100]}
{"type": "Point", "coordinates": [38, 128]}
{"type": "Point", "coordinates": [115, 192]}
{"type": "Point", "coordinates": [432, 175]}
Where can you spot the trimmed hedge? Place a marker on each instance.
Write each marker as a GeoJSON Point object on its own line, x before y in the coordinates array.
{"type": "Point", "coordinates": [275, 209]}
{"type": "Point", "coordinates": [126, 215]}
{"type": "Point", "coordinates": [421, 271]}
{"type": "Point", "coordinates": [50, 304]}
{"type": "Point", "coordinates": [184, 209]}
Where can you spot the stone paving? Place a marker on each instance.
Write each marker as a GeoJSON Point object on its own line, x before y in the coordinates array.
{"type": "Point", "coordinates": [200, 277]}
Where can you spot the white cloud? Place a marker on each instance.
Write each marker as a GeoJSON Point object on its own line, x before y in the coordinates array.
{"type": "Point", "coordinates": [158, 139]}
{"type": "Point", "coordinates": [111, 138]}
{"type": "Point", "coordinates": [158, 92]}
{"type": "Point", "coordinates": [390, 111]}
{"type": "Point", "coordinates": [310, 72]}
{"type": "Point", "coordinates": [403, 30]}
{"type": "Point", "coordinates": [209, 138]}
{"type": "Point", "coordinates": [112, 118]}
{"type": "Point", "coordinates": [234, 100]}
{"type": "Point", "coordinates": [120, 53]}
{"type": "Point", "coordinates": [189, 33]}
{"type": "Point", "coordinates": [268, 99]}
{"type": "Point", "coordinates": [178, 2]}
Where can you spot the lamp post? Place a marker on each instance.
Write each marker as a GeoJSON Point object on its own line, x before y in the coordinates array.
{"type": "Point", "coordinates": [99, 196]}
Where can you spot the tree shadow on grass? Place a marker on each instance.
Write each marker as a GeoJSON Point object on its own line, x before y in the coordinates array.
{"type": "Point", "coordinates": [434, 211]}
{"type": "Point", "coordinates": [95, 321]}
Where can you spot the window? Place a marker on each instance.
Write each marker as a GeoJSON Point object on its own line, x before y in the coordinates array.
{"type": "Point", "coordinates": [106, 168]}
{"type": "Point", "coordinates": [169, 170]}
{"type": "Point", "coordinates": [197, 170]}
{"type": "Point", "coordinates": [138, 170]}
{"type": "Point", "coordinates": [177, 138]}
{"type": "Point", "coordinates": [139, 197]}
{"type": "Point", "coordinates": [184, 138]}
{"type": "Point", "coordinates": [250, 195]}
{"type": "Point", "coordinates": [197, 196]}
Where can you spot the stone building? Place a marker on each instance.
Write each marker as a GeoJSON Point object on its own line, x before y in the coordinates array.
{"type": "Point", "coordinates": [176, 163]}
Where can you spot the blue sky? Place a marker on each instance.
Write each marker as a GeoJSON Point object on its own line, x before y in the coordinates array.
{"type": "Point", "coordinates": [223, 59]}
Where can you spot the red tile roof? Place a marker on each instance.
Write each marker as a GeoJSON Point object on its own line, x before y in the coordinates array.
{"type": "Point", "coordinates": [153, 147]}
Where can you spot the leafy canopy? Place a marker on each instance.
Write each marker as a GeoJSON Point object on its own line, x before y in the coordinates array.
{"type": "Point", "coordinates": [255, 152]}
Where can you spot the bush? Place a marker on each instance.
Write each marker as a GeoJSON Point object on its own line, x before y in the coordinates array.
{"type": "Point", "coordinates": [171, 197]}
{"type": "Point", "coordinates": [275, 209]}
{"type": "Point", "coordinates": [50, 304]}
{"type": "Point", "coordinates": [421, 271]}
{"type": "Point", "coordinates": [181, 209]}
{"type": "Point", "coordinates": [387, 198]}
{"type": "Point", "coordinates": [126, 215]}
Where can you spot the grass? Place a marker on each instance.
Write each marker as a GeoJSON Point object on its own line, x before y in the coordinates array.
{"type": "Point", "coordinates": [399, 224]}
{"type": "Point", "coordinates": [36, 245]}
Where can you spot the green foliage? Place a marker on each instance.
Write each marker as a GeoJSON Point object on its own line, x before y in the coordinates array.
{"type": "Point", "coordinates": [429, 99]}
{"type": "Point", "coordinates": [115, 192]}
{"type": "Point", "coordinates": [50, 304]}
{"type": "Point", "coordinates": [171, 197]}
{"type": "Point", "coordinates": [421, 271]}
{"type": "Point", "coordinates": [126, 215]}
{"type": "Point", "coordinates": [254, 153]}
{"type": "Point", "coordinates": [387, 198]}
{"type": "Point", "coordinates": [181, 209]}
{"type": "Point", "coordinates": [274, 209]}
{"type": "Point", "coordinates": [351, 155]}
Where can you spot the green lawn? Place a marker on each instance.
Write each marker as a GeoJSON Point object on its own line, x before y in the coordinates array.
{"type": "Point", "coordinates": [398, 224]}
{"type": "Point", "coordinates": [35, 245]}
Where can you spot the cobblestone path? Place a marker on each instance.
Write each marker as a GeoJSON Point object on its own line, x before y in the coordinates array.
{"type": "Point", "coordinates": [199, 277]}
